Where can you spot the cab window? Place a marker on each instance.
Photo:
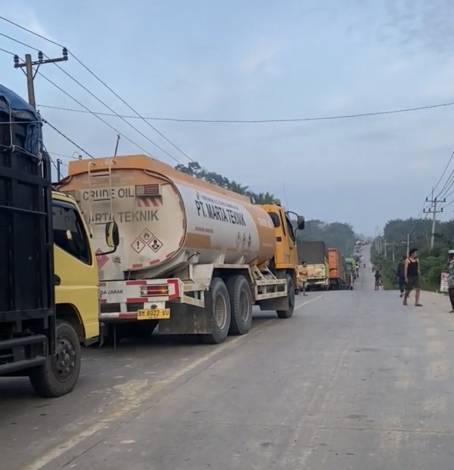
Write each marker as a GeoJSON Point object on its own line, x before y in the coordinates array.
{"type": "Point", "coordinates": [290, 228]}
{"type": "Point", "coordinates": [69, 233]}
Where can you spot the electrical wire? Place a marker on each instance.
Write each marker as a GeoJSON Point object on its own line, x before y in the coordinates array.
{"type": "Point", "coordinates": [100, 80]}
{"type": "Point", "coordinates": [7, 51]}
{"type": "Point", "coordinates": [444, 171]}
{"type": "Point", "coordinates": [267, 121]}
{"type": "Point", "coordinates": [89, 110]}
{"type": "Point", "coordinates": [67, 138]}
{"type": "Point", "coordinates": [63, 155]}
{"type": "Point", "coordinates": [19, 42]}
{"type": "Point", "coordinates": [448, 184]}
{"type": "Point", "coordinates": [118, 115]}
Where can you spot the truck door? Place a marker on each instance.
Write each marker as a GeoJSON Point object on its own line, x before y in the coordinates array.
{"type": "Point", "coordinates": [75, 266]}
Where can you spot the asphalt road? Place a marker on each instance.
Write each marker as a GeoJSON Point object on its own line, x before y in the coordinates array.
{"type": "Point", "coordinates": [353, 381]}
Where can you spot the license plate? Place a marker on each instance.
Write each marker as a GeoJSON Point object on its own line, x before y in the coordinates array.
{"type": "Point", "coordinates": [153, 314]}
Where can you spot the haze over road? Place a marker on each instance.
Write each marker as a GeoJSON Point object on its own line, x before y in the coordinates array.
{"type": "Point", "coordinates": [353, 381]}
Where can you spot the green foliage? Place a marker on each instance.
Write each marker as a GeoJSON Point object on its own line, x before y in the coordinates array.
{"type": "Point", "coordinates": [433, 263]}
{"type": "Point", "coordinates": [335, 235]}
{"type": "Point", "coordinates": [194, 169]}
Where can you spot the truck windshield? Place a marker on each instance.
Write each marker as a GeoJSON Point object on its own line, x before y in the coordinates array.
{"type": "Point", "coordinates": [69, 233]}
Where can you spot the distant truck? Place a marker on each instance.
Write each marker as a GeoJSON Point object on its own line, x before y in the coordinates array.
{"type": "Point", "coordinates": [192, 256]}
{"type": "Point", "coordinates": [49, 300]}
{"type": "Point", "coordinates": [337, 273]}
{"type": "Point", "coordinates": [351, 272]}
{"type": "Point", "coordinates": [314, 254]}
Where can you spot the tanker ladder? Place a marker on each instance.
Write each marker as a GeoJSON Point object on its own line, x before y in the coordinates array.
{"type": "Point", "coordinates": [93, 176]}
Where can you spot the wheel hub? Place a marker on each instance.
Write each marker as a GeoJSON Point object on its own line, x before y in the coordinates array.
{"type": "Point", "coordinates": [65, 358]}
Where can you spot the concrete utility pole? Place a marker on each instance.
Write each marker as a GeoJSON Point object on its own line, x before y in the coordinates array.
{"type": "Point", "coordinates": [434, 211]}
{"type": "Point", "coordinates": [386, 246]}
{"type": "Point", "coordinates": [408, 244]}
{"type": "Point", "coordinates": [59, 162]}
{"type": "Point", "coordinates": [28, 64]}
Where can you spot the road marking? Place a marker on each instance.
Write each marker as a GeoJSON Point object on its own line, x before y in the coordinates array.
{"type": "Point", "coordinates": [140, 392]}
{"type": "Point", "coordinates": [308, 302]}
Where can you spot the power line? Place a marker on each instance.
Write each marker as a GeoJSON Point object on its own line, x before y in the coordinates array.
{"type": "Point", "coordinates": [30, 31]}
{"type": "Point", "coordinates": [19, 42]}
{"type": "Point", "coordinates": [89, 110]}
{"type": "Point", "coordinates": [447, 185]}
{"type": "Point", "coordinates": [68, 138]}
{"type": "Point", "coordinates": [7, 51]}
{"type": "Point", "coordinates": [63, 155]}
{"type": "Point", "coordinates": [100, 80]}
{"type": "Point", "coordinates": [444, 171]}
{"type": "Point", "coordinates": [266, 121]}
{"type": "Point", "coordinates": [118, 115]}
{"type": "Point", "coordinates": [131, 108]}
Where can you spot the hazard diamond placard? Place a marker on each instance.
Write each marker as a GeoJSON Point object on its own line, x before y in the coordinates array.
{"type": "Point", "coordinates": [138, 245]}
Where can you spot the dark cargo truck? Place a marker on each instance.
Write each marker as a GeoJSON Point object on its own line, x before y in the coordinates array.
{"type": "Point", "coordinates": [28, 329]}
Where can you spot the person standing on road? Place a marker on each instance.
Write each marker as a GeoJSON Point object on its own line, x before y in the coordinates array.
{"type": "Point", "coordinates": [377, 279]}
{"type": "Point", "coordinates": [303, 275]}
{"type": "Point", "coordinates": [412, 274]}
{"type": "Point", "coordinates": [451, 278]}
{"type": "Point", "coordinates": [400, 274]}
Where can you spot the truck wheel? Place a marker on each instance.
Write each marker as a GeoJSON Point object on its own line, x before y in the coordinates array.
{"type": "Point", "coordinates": [240, 305]}
{"type": "Point", "coordinates": [291, 299]}
{"type": "Point", "coordinates": [60, 372]}
{"type": "Point", "coordinates": [218, 309]}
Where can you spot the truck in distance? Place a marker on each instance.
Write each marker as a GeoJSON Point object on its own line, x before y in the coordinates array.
{"type": "Point", "coordinates": [192, 256]}
{"type": "Point", "coordinates": [314, 254]}
{"type": "Point", "coordinates": [337, 271]}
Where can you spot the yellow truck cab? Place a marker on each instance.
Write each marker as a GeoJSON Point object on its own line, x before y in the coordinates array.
{"type": "Point", "coordinates": [285, 260]}
{"type": "Point", "coordinates": [76, 270]}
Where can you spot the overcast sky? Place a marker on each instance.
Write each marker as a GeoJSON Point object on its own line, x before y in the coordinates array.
{"type": "Point", "coordinates": [262, 60]}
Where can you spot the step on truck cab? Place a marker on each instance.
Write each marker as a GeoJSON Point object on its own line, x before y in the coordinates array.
{"type": "Point", "coordinates": [49, 300]}
{"type": "Point", "coordinates": [193, 257]}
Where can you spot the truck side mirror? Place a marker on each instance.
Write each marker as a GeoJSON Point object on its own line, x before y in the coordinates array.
{"type": "Point", "coordinates": [300, 222]}
{"type": "Point", "coordinates": [112, 235]}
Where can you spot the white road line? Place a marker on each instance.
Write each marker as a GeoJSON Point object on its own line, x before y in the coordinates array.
{"type": "Point", "coordinates": [131, 402]}
{"type": "Point", "coordinates": [309, 301]}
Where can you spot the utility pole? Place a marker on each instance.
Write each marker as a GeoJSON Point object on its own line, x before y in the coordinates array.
{"type": "Point", "coordinates": [28, 64]}
{"type": "Point", "coordinates": [408, 245]}
{"type": "Point", "coordinates": [434, 211]}
{"type": "Point", "coordinates": [386, 246]}
{"type": "Point", "coordinates": [59, 162]}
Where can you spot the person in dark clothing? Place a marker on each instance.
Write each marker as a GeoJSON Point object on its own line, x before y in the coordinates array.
{"type": "Point", "coordinates": [412, 277]}
{"type": "Point", "coordinates": [377, 279]}
{"type": "Point", "coordinates": [451, 278]}
{"type": "Point", "coordinates": [400, 274]}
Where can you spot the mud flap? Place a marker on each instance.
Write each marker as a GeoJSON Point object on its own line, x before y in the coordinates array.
{"type": "Point", "coordinates": [281, 303]}
{"type": "Point", "coordinates": [186, 320]}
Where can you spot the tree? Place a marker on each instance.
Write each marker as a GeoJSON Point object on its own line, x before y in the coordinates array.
{"type": "Point", "coordinates": [335, 235]}
{"type": "Point", "coordinates": [194, 169]}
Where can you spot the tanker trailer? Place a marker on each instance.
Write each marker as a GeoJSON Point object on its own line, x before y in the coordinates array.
{"type": "Point", "coordinates": [192, 256]}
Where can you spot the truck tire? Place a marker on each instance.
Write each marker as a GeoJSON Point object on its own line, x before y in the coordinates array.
{"type": "Point", "coordinates": [240, 305]}
{"type": "Point", "coordinates": [217, 308]}
{"type": "Point", "coordinates": [59, 374]}
{"type": "Point", "coordinates": [291, 299]}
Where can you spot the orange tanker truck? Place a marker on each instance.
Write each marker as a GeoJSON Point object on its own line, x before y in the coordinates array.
{"type": "Point", "coordinates": [192, 256]}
